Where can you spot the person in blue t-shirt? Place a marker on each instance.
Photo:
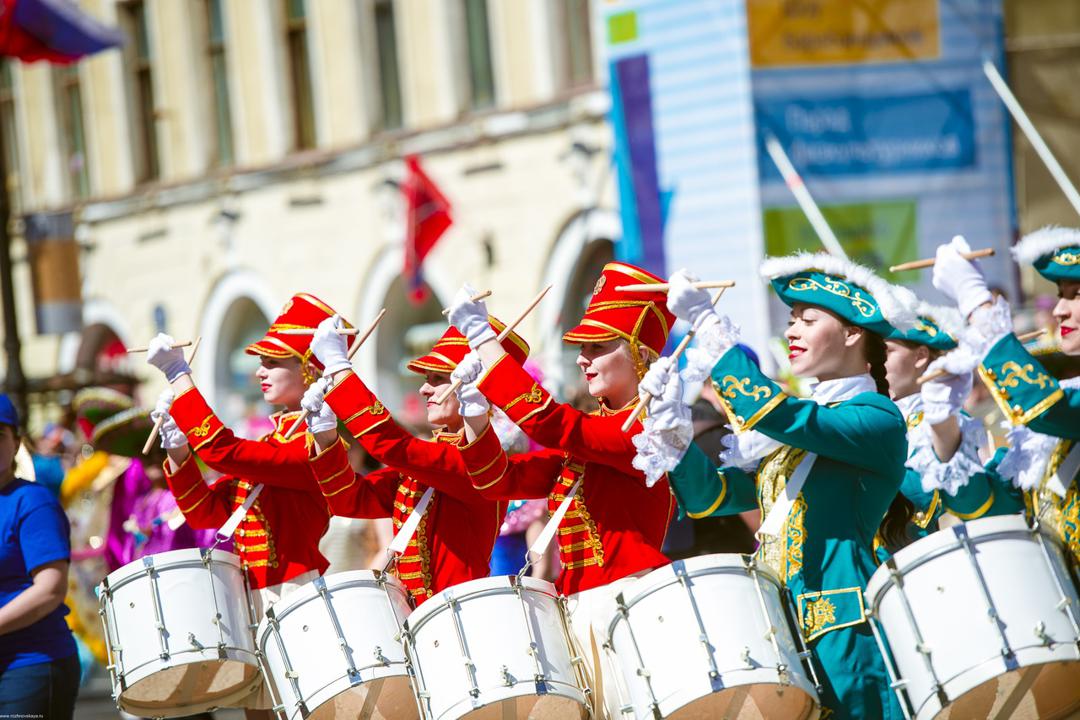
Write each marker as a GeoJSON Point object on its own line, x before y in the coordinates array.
{"type": "Point", "coordinates": [39, 665]}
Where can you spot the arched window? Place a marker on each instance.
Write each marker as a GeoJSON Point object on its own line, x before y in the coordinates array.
{"type": "Point", "coordinates": [239, 400]}
{"type": "Point", "coordinates": [407, 331]}
{"type": "Point", "coordinates": [579, 291]}
{"type": "Point", "coordinates": [585, 243]}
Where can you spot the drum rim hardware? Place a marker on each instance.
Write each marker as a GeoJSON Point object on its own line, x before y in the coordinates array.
{"type": "Point", "coordinates": [684, 573]}
{"type": "Point", "coordinates": [1007, 659]}
{"type": "Point", "coordinates": [322, 592]}
{"type": "Point", "coordinates": [450, 600]}
{"type": "Point", "coordinates": [171, 651]}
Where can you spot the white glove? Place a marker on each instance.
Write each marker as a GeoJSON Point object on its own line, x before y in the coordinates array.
{"type": "Point", "coordinates": [944, 396]}
{"type": "Point", "coordinates": [471, 401]}
{"type": "Point", "coordinates": [959, 278]}
{"type": "Point", "coordinates": [687, 302]}
{"type": "Point", "coordinates": [668, 429]}
{"type": "Point", "coordinates": [470, 317]}
{"type": "Point", "coordinates": [169, 360]}
{"type": "Point", "coordinates": [320, 417]}
{"type": "Point", "coordinates": [330, 348]}
{"type": "Point", "coordinates": [656, 379]}
{"type": "Point", "coordinates": [671, 416]}
{"type": "Point", "coordinates": [172, 436]}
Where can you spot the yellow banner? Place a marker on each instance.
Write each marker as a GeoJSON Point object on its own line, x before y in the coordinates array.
{"type": "Point", "coordinates": [822, 32]}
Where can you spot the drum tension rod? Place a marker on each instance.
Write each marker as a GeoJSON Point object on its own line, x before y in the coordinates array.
{"type": "Point", "coordinates": [1040, 632]}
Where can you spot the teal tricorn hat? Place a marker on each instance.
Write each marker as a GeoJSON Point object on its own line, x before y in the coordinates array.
{"type": "Point", "coordinates": [935, 326]}
{"type": "Point", "coordinates": [849, 290]}
{"type": "Point", "coordinates": [1054, 251]}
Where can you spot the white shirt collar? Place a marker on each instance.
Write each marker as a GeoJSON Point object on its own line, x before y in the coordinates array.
{"type": "Point", "coordinates": [839, 389]}
{"type": "Point", "coordinates": [910, 405]}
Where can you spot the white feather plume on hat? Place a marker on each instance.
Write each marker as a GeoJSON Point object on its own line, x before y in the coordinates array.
{"type": "Point", "coordinates": [946, 318]}
{"type": "Point", "coordinates": [895, 311]}
{"type": "Point", "coordinates": [1043, 242]}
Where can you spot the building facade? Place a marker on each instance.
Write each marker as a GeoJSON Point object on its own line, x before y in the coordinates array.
{"type": "Point", "coordinates": [235, 152]}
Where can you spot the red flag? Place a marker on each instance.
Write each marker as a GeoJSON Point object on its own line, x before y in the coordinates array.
{"type": "Point", "coordinates": [428, 218]}
{"type": "Point", "coordinates": [53, 30]}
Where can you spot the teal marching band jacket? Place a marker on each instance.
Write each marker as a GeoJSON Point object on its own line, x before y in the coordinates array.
{"type": "Point", "coordinates": [1043, 459]}
{"type": "Point", "coordinates": [961, 486]}
{"type": "Point", "coordinates": [824, 549]}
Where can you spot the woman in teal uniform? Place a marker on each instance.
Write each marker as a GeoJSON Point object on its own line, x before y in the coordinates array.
{"type": "Point", "coordinates": [944, 473]}
{"type": "Point", "coordinates": [824, 471]}
{"type": "Point", "coordinates": [1043, 460]}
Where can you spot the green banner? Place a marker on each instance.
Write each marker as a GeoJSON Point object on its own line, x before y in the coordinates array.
{"type": "Point", "coordinates": [876, 234]}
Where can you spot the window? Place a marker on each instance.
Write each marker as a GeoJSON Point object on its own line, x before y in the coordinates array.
{"type": "Point", "coordinates": [577, 35]}
{"type": "Point", "coordinates": [73, 140]}
{"type": "Point", "coordinates": [10, 138]}
{"type": "Point", "coordinates": [218, 83]}
{"type": "Point", "coordinates": [144, 127]}
{"type": "Point", "coordinates": [299, 74]}
{"type": "Point", "coordinates": [478, 53]}
{"type": "Point", "coordinates": [387, 58]}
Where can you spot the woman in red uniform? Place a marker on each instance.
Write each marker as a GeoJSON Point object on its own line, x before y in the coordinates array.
{"type": "Point", "coordinates": [276, 559]}
{"type": "Point", "coordinates": [453, 541]}
{"type": "Point", "coordinates": [615, 525]}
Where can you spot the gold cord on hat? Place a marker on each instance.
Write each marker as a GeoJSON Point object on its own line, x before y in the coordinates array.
{"type": "Point", "coordinates": [640, 367]}
{"type": "Point", "coordinates": [308, 372]}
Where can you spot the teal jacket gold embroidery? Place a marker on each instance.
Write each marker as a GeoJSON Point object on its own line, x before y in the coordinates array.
{"type": "Point", "coordinates": [825, 553]}
{"type": "Point", "coordinates": [1028, 395]}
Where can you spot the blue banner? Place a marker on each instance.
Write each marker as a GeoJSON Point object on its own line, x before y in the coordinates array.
{"type": "Point", "coordinates": [863, 135]}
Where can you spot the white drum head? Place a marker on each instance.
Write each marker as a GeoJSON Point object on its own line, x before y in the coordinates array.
{"type": "Point", "coordinates": [1054, 694]}
{"type": "Point", "coordinates": [751, 702]}
{"type": "Point", "coordinates": [389, 698]}
{"type": "Point", "coordinates": [532, 707]}
{"type": "Point", "coordinates": [191, 688]}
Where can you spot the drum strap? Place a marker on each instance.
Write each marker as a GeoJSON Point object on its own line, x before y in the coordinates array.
{"type": "Point", "coordinates": [541, 543]}
{"type": "Point", "coordinates": [1059, 482]}
{"type": "Point", "coordinates": [774, 522]}
{"type": "Point", "coordinates": [226, 531]}
{"type": "Point", "coordinates": [405, 534]}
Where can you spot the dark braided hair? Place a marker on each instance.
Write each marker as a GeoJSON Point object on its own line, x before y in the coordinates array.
{"type": "Point", "coordinates": [893, 530]}
{"type": "Point", "coordinates": [875, 356]}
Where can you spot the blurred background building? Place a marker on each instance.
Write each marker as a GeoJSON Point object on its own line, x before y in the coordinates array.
{"type": "Point", "coordinates": [235, 152]}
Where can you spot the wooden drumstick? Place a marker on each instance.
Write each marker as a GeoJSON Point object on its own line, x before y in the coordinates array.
{"type": "Point", "coordinates": [352, 351]}
{"type": "Point", "coordinates": [664, 287]}
{"type": "Point", "coordinates": [475, 298]}
{"type": "Point", "coordinates": [311, 331]}
{"type": "Point", "coordinates": [154, 431]}
{"type": "Point", "coordinates": [929, 262]}
{"type": "Point", "coordinates": [940, 372]}
{"type": "Point", "coordinates": [502, 336]}
{"type": "Point", "coordinates": [646, 398]}
{"type": "Point", "coordinates": [174, 345]}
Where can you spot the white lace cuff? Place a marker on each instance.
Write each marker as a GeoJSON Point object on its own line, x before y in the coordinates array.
{"type": "Point", "coordinates": [947, 476]}
{"type": "Point", "coordinates": [1026, 459]}
{"type": "Point", "coordinates": [659, 451]}
{"type": "Point", "coordinates": [986, 326]}
{"type": "Point", "coordinates": [715, 337]}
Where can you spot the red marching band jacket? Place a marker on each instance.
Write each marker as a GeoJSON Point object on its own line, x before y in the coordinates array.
{"type": "Point", "coordinates": [615, 526]}
{"type": "Point", "coordinates": [278, 539]}
{"type": "Point", "coordinates": [454, 539]}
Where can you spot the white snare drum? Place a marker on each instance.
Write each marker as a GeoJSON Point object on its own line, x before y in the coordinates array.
{"type": "Point", "coordinates": [710, 637]}
{"type": "Point", "coordinates": [178, 629]}
{"type": "Point", "coordinates": [982, 621]}
{"type": "Point", "coordinates": [496, 648]}
{"type": "Point", "coordinates": [333, 649]}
